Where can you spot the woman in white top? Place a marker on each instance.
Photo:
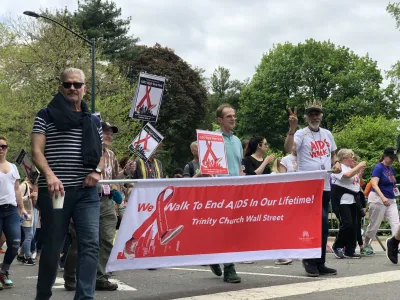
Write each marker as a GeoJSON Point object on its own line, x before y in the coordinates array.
{"type": "Point", "coordinates": [288, 163]}
{"type": "Point", "coordinates": [345, 189]}
{"type": "Point", "coordinates": [10, 196]}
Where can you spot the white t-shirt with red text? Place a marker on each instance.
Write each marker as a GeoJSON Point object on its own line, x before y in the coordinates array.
{"type": "Point", "coordinates": [290, 163]}
{"type": "Point", "coordinates": [314, 150]}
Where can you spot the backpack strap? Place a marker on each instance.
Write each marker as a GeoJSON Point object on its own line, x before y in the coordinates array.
{"type": "Point", "coordinates": [191, 169]}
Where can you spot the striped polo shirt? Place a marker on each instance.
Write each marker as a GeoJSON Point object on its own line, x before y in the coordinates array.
{"type": "Point", "coordinates": [63, 150]}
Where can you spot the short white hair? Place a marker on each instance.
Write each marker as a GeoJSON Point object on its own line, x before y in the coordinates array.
{"type": "Point", "coordinates": [192, 145]}
{"type": "Point", "coordinates": [67, 71]}
{"type": "Point", "coordinates": [343, 153]}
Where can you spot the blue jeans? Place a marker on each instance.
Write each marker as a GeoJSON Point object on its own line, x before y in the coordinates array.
{"type": "Point", "coordinates": [10, 225]}
{"type": "Point", "coordinates": [26, 245]}
{"type": "Point", "coordinates": [83, 206]}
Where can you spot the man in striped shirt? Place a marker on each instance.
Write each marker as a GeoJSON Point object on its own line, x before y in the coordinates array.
{"type": "Point", "coordinates": [67, 149]}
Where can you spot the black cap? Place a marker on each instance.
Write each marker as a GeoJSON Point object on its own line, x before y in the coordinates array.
{"type": "Point", "coordinates": [390, 152]}
{"type": "Point", "coordinates": [106, 125]}
{"type": "Point", "coordinates": [313, 109]}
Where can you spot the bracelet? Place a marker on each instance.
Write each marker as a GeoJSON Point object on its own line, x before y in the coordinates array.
{"type": "Point", "coordinates": [290, 133]}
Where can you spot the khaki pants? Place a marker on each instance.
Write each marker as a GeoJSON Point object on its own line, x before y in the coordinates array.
{"type": "Point", "coordinates": [108, 223]}
{"type": "Point", "coordinates": [377, 212]}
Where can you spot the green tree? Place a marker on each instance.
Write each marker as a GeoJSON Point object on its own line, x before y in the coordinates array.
{"type": "Point", "coordinates": [101, 20]}
{"type": "Point", "coordinates": [184, 103]}
{"type": "Point", "coordinates": [291, 75]}
{"type": "Point", "coordinates": [223, 89]}
{"type": "Point", "coordinates": [368, 137]}
{"type": "Point", "coordinates": [32, 55]}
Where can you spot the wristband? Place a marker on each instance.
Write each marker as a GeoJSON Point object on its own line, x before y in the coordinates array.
{"type": "Point", "coordinates": [290, 133]}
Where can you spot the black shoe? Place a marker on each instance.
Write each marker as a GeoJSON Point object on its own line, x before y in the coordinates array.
{"type": "Point", "coordinates": [70, 285]}
{"type": "Point", "coordinates": [106, 286]}
{"type": "Point", "coordinates": [311, 270]}
{"type": "Point", "coordinates": [230, 275]}
{"type": "Point", "coordinates": [21, 258]}
{"type": "Point", "coordinates": [392, 251]}
{"type": "Point", "coordinates": [29, 262]}
{"type": "Point", "coordinates": [216, 269]}
{"type": "Point", "coordinates": [324, 270]}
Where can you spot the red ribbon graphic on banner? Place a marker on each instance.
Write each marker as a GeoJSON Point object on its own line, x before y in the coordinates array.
{"type": "Point", "coordinates": [144, 141]}
{"type": "Point", "coordinates": [146, 98]}
{"type": "Point", "coordinates": [164, 233]}
{"type": "Point", "coordinates": [211, 163]}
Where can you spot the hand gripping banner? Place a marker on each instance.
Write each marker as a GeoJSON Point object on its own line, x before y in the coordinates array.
{"type": "Point", "coordinates": [171, 222]}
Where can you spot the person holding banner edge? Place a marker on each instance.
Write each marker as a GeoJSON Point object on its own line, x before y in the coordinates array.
{"type": "Point", "coordinates": [226, 118]}
{"type": "Point", "coordinates": [315, 148]}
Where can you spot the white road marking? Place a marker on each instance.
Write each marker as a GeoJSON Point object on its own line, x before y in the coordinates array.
{"type": "Point", "coordinates": [59, 284]}
{"type": "Point", "coordinates": [271, 267]}
{"type": "Point", "coordinates": [243, 273]}
{"type": "Point", "coordinates": [295, 289]}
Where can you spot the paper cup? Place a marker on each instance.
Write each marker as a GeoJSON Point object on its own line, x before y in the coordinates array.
{"type": "Point", "coordinates": [58, 203]}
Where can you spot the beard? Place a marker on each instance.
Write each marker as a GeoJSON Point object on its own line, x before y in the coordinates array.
{"type": "Point", "coordinates": [314, 125]}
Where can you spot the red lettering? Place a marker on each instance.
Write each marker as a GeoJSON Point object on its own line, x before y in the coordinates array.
{"type": "Point", "coordinates": [145, 206]}
{"type": "Point", "coordinates": [321, 144]}
{"type": "Point", "coordinates": [313, 146]}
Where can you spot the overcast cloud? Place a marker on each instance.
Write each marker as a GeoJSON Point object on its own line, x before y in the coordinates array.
{"type": "Point", "coordinates": [235, 34]}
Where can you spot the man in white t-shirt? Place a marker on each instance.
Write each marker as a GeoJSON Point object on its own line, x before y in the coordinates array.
{"type": "Point", "coordinates": [315, 148]}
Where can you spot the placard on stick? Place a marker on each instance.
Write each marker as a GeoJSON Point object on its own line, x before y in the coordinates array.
{"type": "Point", "coordinates": [146, 142]}
{"type": "Point", "coordinates": [212, 153]}
{"type": "Point", "coordinates": [147, 100]}
{"type": "Point", "coordinates": [27, 166]}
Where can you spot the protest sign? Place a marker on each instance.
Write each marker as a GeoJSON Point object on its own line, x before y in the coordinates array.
{"type": "Point", "coordinates": [212, 154]}
{"type": "Point", "coordinates": [170, 222]}
{"type": "Point", "coordinates": [27, 166]}
{"type": "Point", "coordinates": [146, 142]}
{"type": "Point", "coordinates": [147, 100]}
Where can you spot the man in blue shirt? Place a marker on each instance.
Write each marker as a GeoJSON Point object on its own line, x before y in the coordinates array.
{"type": "Point", "coordinates": [227, 119]}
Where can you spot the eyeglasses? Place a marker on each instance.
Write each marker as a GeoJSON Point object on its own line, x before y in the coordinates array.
{"type": "Point", "coordinates": [4, 147]}
{"type": "Point", "coordinates": [76, 85]}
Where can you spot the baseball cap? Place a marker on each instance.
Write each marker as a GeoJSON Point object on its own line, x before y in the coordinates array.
{"type": "Point", "coordinates": [106, 125]}
{"type": "Point", "coordinates": [390, 152]}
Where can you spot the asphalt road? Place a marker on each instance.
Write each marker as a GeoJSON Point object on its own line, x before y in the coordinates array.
{"type": "Point", "coordinates": [367, 278]}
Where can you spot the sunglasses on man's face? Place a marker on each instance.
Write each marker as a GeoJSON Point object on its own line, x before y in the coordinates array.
{"type": "Point", "coordinates": [77, 85]}
{"type": "Point", "coordinates": [4, 147]}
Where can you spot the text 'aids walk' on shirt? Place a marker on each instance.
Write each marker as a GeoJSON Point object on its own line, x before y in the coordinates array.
{"type": "Point", "coordinates": [63, 150]}
{"type": "Point", "coordinates": [314, 151]}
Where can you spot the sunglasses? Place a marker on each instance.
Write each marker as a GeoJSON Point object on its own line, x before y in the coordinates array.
{"type": "Point", "coordinates": [77, 85]}
{"type": "Point", "coordinates": [4, 147]}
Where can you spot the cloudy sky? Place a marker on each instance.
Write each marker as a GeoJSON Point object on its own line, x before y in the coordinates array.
{"type": "Point", "coordinates": [235, 34]}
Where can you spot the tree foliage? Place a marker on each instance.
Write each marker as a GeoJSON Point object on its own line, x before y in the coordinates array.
{"type": "Point", "coordinates": [32, 56]}
{"type": "Point", "coordinates": [291, 75]}
{"type": "Point", "coordinates": [184, 104]}
{"type": "Point", "coordinates": [368, 137]}
{"type": "Point", "coordinates": [101, 21]}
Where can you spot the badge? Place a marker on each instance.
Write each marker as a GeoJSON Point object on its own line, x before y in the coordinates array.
{"type": "Point", "coordinates": [322, 167]}
{"type": "Point", "coordinates": [396, 191]}
{"type": "Point", "coordinates": [106, 189]}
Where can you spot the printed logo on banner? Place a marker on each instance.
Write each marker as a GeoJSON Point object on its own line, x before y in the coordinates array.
{"type": "Point", "coordinates": [212, 154]}
{"type": "Point", "coordinates": [146, 142]}
{"type": "Point", "coordinates": [147, 99]}
{"type": "Point", "coordinates": [146, 234]}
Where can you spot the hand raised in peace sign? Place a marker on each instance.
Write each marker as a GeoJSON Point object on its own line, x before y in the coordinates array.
{"type": "Point", "coordinates": [293, 120]}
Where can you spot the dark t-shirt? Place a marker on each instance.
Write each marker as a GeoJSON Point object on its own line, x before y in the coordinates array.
{"type": "Point", "coordinates": [387, 182]}
{"type": "Point", "coordinates": [251, 164]}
